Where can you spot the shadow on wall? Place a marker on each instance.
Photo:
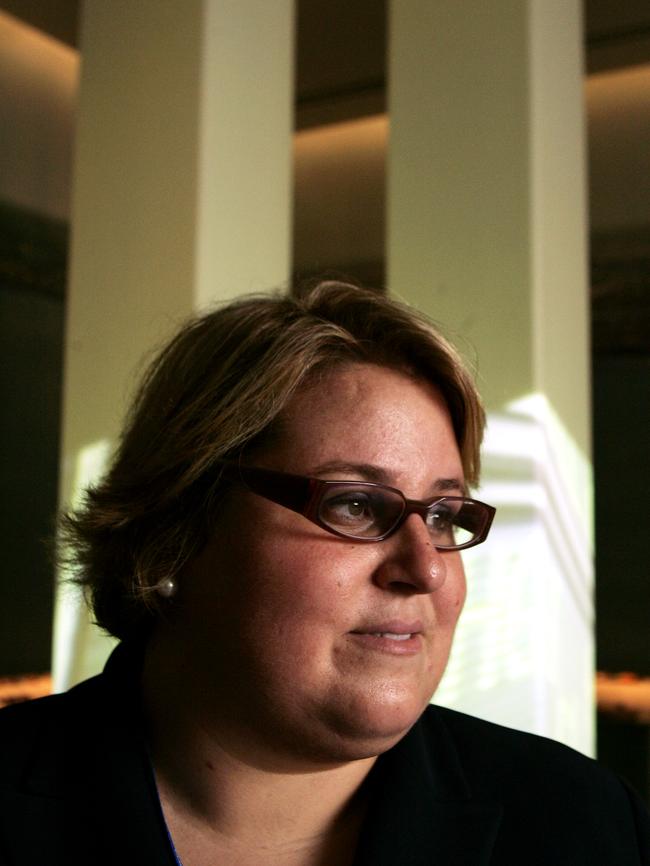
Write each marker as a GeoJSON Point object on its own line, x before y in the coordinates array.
{"type": "Point", "coordinates": [32, 279]}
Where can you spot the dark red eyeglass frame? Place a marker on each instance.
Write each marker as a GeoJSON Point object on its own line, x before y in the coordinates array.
{"type": "Point", "coordinates": [302, 494]}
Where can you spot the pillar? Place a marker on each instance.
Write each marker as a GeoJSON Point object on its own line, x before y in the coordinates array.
{"type": "Point", "coordinates": [182, 185]}
{"type": "Point", "coordinates": [487, 234]}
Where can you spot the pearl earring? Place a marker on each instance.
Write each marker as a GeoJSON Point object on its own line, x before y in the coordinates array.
{"type": "Point", "coordinates": [167, 587]}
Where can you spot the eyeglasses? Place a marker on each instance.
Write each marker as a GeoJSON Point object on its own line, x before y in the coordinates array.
{"type": "Point", "coordinates": [365, 510]}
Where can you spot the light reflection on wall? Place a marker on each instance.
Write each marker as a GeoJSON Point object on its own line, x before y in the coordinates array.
{"type": "Point", "coordinates": [529, 586]}
{"type": "Point", "coordinates": [78, 651]}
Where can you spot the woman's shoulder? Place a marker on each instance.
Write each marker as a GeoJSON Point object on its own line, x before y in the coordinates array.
{"type": "Point", "coordinates": [34, 730]}
{"type": "Point", "coordinates": [470, 791]}
{"type": "Point", "coordinates": [521, 768]}
{"type": "Point", "coordinates": [21, 723]}
{"type": "Point", "coordinates": [30, 713]}
{"type": "Point", "coordinates": [486, 747]}
{"type": "Point", "coordinates": [474, 734]}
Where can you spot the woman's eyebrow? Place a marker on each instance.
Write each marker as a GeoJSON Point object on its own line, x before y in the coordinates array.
{"type": "Point", "coordinates": [372, 472]}
{"type": "Point", "coordinates": [447, 485]}
{"type": "Point", "coordinates": [367, 471]}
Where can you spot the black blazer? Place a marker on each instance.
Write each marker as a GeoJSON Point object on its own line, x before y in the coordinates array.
{"type": "Point", "coordinates": [76, 787]}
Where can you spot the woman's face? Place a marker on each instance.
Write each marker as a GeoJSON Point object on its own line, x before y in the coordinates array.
{"type": "Point", "coordinates": [281, 623]}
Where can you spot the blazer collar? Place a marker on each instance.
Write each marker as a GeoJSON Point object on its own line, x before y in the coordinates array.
{"type": "Point", "coordinates": [422, 811]}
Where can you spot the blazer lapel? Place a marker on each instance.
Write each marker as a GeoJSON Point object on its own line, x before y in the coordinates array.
{"type": "Point", "coordinates": [421, 811]}
{"type": "Point", "coordinates": [123, 805]}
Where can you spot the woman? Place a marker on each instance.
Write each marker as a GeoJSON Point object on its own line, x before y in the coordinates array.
{"type": "Point", "coordinates": [277, 545]}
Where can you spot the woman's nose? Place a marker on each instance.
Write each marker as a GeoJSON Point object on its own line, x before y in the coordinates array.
{"type": "Point", "coordinates": [410, 562]}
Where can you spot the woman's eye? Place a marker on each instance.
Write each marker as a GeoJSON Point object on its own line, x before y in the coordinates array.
{"type": "Point", "coordinates": [441, 522]}
{"type": "Point", "coordinates": [349, 509]}
{"type": "Point", "coordinates": [355, 507]}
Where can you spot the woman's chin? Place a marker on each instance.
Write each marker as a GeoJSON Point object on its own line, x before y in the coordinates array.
{"type": "Point", "coordinates": [370, 725]}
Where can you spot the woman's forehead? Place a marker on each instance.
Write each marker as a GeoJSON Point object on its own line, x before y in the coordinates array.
{"type": "Point", "coordinates": [355, 381]}
{"type": "Point", "coordinates": [366, 414]}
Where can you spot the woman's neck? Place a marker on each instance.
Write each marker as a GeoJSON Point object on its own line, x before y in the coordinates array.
{"type": "Point", "coordinates": [218, 802]}
{"type": "Point", "coordinates": [264, 821]}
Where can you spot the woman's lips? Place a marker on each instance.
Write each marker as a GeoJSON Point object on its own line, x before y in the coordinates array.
{"type": "Point", "coordinates": [395, 638]}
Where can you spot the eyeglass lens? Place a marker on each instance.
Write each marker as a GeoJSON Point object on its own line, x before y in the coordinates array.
{"type": "Point", "coordinates": [370, 511]}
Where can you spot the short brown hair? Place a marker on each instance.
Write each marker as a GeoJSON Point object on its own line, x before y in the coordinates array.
{"type": "Point", "coordinates": [211, 394]}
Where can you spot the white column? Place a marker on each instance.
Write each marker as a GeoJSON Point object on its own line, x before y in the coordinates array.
{"type": "Point", "coordinates": [182, 191]}
{"type": "Point", "coordinates": [487, 234]}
